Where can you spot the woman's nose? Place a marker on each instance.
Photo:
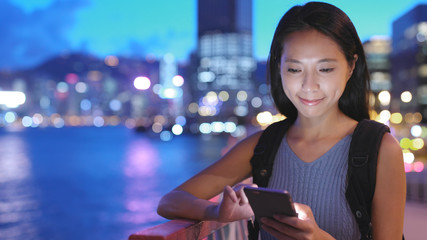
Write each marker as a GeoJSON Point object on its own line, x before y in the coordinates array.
{"type": "Point", "coordinates": [310, 83]}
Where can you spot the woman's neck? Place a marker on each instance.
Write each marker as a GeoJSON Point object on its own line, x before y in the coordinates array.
{"type": "Point", "coordinates": [335, 125]}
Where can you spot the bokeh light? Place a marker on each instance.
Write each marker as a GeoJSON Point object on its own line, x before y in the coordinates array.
{"type": "Point", "coordinates": [71, 78]}
{"type": "Point", "coordinates": [418, 167]}
{"type": "Point", "coordinates": [384, 97]}
{"type": "Point", "coordinates": [177, 129]}
{"type": "Point", "coordinates": [111, 61]}
{"type": "Point", "coordinates": [178, 81]}
{"type": "Point", "coordinates": [142, 83]}
{"type": "Point", "coordinates": [406, 96]}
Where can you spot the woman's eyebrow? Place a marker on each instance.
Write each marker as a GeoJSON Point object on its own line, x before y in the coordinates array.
{"type": "Point", "coordinates": [292, 60]}
{"type": "Point", "coordinates": [328, 60]}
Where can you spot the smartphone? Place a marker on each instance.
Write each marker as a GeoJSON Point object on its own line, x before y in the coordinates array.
{"type": "Point", "coordinates": [267, 202]}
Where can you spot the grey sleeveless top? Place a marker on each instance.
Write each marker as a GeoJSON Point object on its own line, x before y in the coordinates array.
{"type": "Point", "coordinates": [320, 184]}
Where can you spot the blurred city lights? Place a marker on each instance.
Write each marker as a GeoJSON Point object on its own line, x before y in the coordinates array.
{"type": "Point", "coordinates": [10, 117]}
{"type": "Point", "coordinates": [193, 107]}
{"type": "Point", "coordinates": [211, 98]}
{"type": "Point", "coordinates": [264, 118]}
{"type": "Point", "coordinates": [396, 118]}
{"type": "Point", "coordinates": [37, 118]}
{"type": "Point", "coordinates": [181, 120]}
{"type": "Point", "coordinates": [58, 122]}
{"type": "Point", "coordinates": [408, 157]}
{"type": "Point", "coordinates": [94, 75]}
{"type": "Point", "coordinates": [384, 116]}
{"type": "Point", "coordinates": [230, 127]}
{"type": "Point", "coordinates": [98, 121]}
{"type": "Point", "coordinates": [81, 87]}
{"type": "Point", "coordinates": [166, 136]}
{"type": "Point", "coordinates": [44, 102]}
{"type": "Point", "coordinates": [71, 78]}
{"type": "Point", "coordinates": [62, 87]}
{"type": "Point", "coordinates": [406, 96]}
{"type": "Point", "coordinates": [177, 129]}
{"type": "Point", "coordinates": [405, 143]}
{"type": "Point", "coordinates": [205, 128]}
{"type": "Point", "coordinates": [12, 99]}
{"type": "Point", "coordinates": [157, 127]}
{"type": "Point", "coordinates": [27, 121]}
{"type": "Point", "coordinates": [206, 76]}
{"type": "Point", "coordinates": [241, 110]}
{"type": "Point", "coordinates": [111, 61]}
{"type": "Point", "coordinates": [142, 83]}
{"type": "Point", "coordinates": [217, 127]}
{"type": "Point", "coordinates": [256, 102]}
{"type": "Point", "coordinates": [240, 131]}
{"type": "Point", "coordinates": [157, 88]}
{"type": "Point", "coordinates": [178, 81]}
{"type": "Point", "coordinates": [417, 143]}
{"type": "Point", "coordinates": [417, 117]}
{"type": "Point", "coordinates": [416, 130]}
{"type": "Point", "coordinates": [418, 167]}
{"type": "Point", "coordinates": [384, 97]}
{"type": "Point", "coordinates": [408, 167]}
{"type": "Point", "coordinates": [160, 119]}
{"type": "Point", "coordinates": [115, 105]}
{"type": "Point", "coordinates": [170, 93]}
{"type": "Point", "coordinates": [223, 96]}
{"type": "Point", "coordinates": [85, 105]}
{"type": "Point", "coordinates": [242, 96]}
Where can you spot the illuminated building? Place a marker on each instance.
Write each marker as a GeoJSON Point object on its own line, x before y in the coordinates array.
{"type": "Point", "coordinates": [224, 58]}
{"type": "Point", "coordinates": [170, 91]}
{"type": "Point", "coordinates": [409, 61]}
{"type": "Point", "coordinates": [377, 51]}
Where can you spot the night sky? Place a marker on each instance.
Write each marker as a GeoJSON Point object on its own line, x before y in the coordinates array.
{"type": "Point", "coordinates": [32, 31]}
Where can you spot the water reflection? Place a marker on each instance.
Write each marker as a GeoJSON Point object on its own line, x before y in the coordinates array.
{"type": "Point", "coordinates": [141, 197]}
{"type": "Point", "coordinates": [14, 163]}
{"type": "Point", "coordinates": [18, 205]}
{"type": "Point", "coordinates": [141, 159]}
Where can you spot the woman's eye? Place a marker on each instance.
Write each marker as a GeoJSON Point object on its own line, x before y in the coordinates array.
{"type": "Point", "coordinates": [293, 70]}
{"type": "Point", "coordinates": [326, 70]}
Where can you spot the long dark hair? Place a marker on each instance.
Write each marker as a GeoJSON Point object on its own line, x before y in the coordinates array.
{"type": "Point", "coordinates": [334, 23]}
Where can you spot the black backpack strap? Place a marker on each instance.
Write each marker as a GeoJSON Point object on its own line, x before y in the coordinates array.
{"type": "Point", "coordinates": [361, 175]}
{"type": "Point", "coordinates": [265, 151]}
{"type": "Point", "coordinates": [263, 159]}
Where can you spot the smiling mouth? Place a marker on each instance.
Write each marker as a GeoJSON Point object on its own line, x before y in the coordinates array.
{"type": "Point", "coordinates": [310, 102]}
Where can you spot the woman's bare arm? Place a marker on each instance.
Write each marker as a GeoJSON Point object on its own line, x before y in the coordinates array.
{"type": "Point", "coordinates": [191, 199]}
{"type": "Point", "coordinates": [390, 192]}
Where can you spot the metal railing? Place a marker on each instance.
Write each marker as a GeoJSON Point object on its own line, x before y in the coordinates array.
{"type": "Point", "coordinates": [197, 230]}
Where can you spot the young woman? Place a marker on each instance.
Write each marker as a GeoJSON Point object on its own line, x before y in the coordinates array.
{"type": "Point", "coordinates": [319, 80]}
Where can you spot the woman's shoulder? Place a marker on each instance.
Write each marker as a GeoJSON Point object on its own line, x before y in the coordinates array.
{"type": "Point", "coordinates": [390, 147]}
{"type": "Point", "coordinates": [250, 141]}
{"type": "Point", "coordinates": [390, 155]}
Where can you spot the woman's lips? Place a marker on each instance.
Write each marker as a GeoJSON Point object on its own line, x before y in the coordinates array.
{"type": "Point", "coordinates": [310, 102]}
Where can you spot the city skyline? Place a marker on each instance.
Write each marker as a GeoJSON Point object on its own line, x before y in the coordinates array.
{"type": "Point", "coordinates": [52, 27]}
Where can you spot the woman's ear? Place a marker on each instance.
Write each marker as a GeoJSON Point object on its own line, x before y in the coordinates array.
{"type": "Point", "coordinates": [352, 66]}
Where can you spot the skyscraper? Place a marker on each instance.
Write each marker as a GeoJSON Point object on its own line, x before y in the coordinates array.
{"type": "Point", "coordinates": [409, 61]}
{"type": "Point", "coordinates": [377, 50]}
{"type": "Point", "coordinates": [224, 61]}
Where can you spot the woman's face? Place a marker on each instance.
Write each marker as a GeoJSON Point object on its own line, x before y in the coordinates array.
{"type": "Point", "coordinates": [314, 73]}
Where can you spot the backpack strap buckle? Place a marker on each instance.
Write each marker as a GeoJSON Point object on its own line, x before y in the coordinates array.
{"type": "Point", "coordinates": [359, 161]}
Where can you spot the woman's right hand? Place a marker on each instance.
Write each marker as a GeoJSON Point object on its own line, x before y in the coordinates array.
{"type": "Point", "coordinates": [234, 205]}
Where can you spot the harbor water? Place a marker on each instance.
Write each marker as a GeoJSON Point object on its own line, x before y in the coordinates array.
{"type": "Point", "coordinates": [91, 183]}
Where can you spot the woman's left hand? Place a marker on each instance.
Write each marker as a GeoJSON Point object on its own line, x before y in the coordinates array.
{"type": "Point", "coordinates": [302, 227]}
